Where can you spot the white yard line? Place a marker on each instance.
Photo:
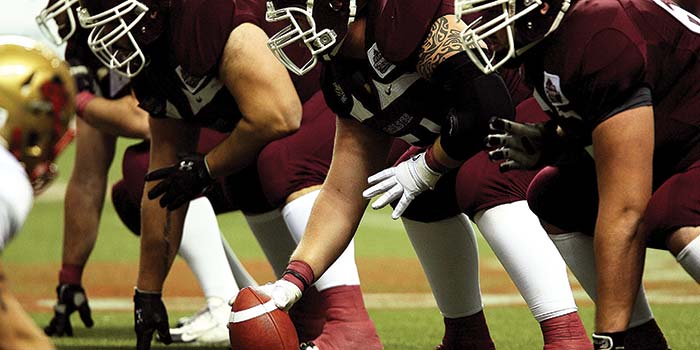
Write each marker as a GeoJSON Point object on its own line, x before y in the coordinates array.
{"type": "Point", "coordinates": [377, 301]}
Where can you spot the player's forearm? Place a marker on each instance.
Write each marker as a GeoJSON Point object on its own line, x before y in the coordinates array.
{"type": "Point", "coordinates": [120, 117]}
{"type": "Point", "coordinates": [619, 253]}
{"type": "Point", "coordinates": [358, 152]}
{"type": "Point", "coordinates": [160, 240]}
{"type": "Point", "coordinates": [332, 224]}
{"type": "Point", "coordinates": [624, 177]}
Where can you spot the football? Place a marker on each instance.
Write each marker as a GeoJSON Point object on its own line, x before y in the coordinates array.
{"type": "Point", "coordinates": [257, 324]}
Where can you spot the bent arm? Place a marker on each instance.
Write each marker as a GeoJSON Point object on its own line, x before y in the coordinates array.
{"type": "Point", "coordinates": [118, 117]}
{"type": "Point", "coordinates": [265, 95]}
{"type": "Point", "coordinates": [624, 147]}
{"type": "Point", "coordinates": [358, 153]}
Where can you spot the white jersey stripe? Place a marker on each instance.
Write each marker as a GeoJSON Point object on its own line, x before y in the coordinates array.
{"type": "Point", "coordinates": [430, 125]}
{"type": "Point", "coordinates": [359, 111]}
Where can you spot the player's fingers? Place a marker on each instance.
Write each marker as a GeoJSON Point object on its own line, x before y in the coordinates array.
{"type": "Point", "coordinates": [159, 189]}
{"type": "Point", "coordinates": [509, 165]}
{"type": "Point", "coordinates": [379, 188]}
{"type": "Point", "coordinates": [525, 161]}
{"type": "Point", "coordinates": [404, 202]}
{"type": "Point", "coordinates": [386, 173]}
{"type": "Point", "coordinates": [498, 154]}
{"type": "Point", "coordinates": [498, 140]}
{"type": "Point", "coordinates": [515, 128]}
{"type": "Point", "coordinates": [85, 314]}
{"type": "Point", "coordinates": [164, 332]}
{"type": "Point", "coordinates": [67, 327]}
{"type": "Point", "coordinates": [143, 339]}
{"type": "Point", "coordinates": [177, 202]}
{"type": "Point", "coordinates": [389, 196]}
{"type": "Point", "coordinates": [159, 173]}
{"type": "Point", "coordinates": [167, 198]}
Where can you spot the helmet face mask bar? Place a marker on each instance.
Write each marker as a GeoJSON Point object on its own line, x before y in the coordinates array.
{"type": "Point", "coordinates": [63, 26]}
{"type": "Point", "coordinates": [501, 24]}
{"type": "Point", "coordinates": [303, 29]}
{"type": "Point", "coordinates": [110, 38]}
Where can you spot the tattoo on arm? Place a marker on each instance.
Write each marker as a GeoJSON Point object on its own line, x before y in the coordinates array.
{"type": "Point", "coordinates": [442, 42]}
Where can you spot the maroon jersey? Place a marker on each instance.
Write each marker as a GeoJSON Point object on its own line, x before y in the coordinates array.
{"type": "Point", "coordinates": [393, 98]}
{"type": "Point", "coordinates": [180, 79]}
{"type": "Point", "coordinates": [612, 55]}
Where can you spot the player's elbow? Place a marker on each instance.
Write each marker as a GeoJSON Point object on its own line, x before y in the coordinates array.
{"type": "Point", "coordinates": [631, 216]}
{"type": "Point", "coordinates": [285, 120]}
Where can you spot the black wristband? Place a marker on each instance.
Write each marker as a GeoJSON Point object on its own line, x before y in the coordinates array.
{"type": "Point", "coordinates": [298, 276]}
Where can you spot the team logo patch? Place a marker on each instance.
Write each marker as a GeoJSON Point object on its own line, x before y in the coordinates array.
{"type": "Point", "coordinates": [378, 62]}
{"type": "Point", "coordinates": [552, 88]}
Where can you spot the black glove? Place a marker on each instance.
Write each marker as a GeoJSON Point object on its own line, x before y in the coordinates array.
{"type": "Point", "coordinates": [150, 316]}
{"type": "Point", "coordinates": [71, 298]}
{"type": "Point", "coordinates": [182, 182]}
{"type": "Point", "coordinates": [526, 145]}
{"type": "Point", "coordinates": [609, 341]}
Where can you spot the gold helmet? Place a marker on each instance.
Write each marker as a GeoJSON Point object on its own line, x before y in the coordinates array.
{"type": "Point", "coordinates": [37, 101]}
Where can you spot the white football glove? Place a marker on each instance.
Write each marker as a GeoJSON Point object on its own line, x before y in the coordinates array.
{"type": "Point", "coordinates": [283, 293]}
{"type": "Point", "coordinates": [406, 180]}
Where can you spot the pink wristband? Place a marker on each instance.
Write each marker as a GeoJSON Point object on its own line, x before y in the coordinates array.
{"type": "Point", "coordinates": [299, 273]}
{"type": "Point", "coordinates": [433, 163]}
{"type": "Point", "coordinates": [82, 100]}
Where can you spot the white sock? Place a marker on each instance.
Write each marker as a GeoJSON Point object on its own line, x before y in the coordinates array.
{"type": "Point", "coordinates": [577, 250]}
{"type": "Point", "coordinates": [240, 274]}
{"type": "Point", "coordinates": [449, 255]}
{"type": "Point", "coordinates": [201, 248]}
{"type": "Point", "coordinates": [689, 258]}
{"type": "Point", "coordinates": [528, 255]}
{"type": "Point", "coordinates": [343, 271]}
{"type": "Point", "coordinates": [274, 238]}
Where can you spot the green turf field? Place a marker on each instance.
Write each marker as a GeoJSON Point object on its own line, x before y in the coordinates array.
{"type": "Point", "coordinates": [387, 265]}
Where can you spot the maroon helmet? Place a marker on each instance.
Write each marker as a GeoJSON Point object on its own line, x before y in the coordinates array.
{"type": "Point", "coordinates": [320, 25]}
{"type": "Point", "coordinates": [119, 28]}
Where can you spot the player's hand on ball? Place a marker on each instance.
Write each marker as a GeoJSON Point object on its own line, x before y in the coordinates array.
{"type": "Point", "coordinates": [150, 316]}
{"type": "Point", "coordinates": [283, 293]}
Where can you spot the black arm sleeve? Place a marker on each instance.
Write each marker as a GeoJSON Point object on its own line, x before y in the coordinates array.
{"type": "Point", "coordinates": [476, 98]}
